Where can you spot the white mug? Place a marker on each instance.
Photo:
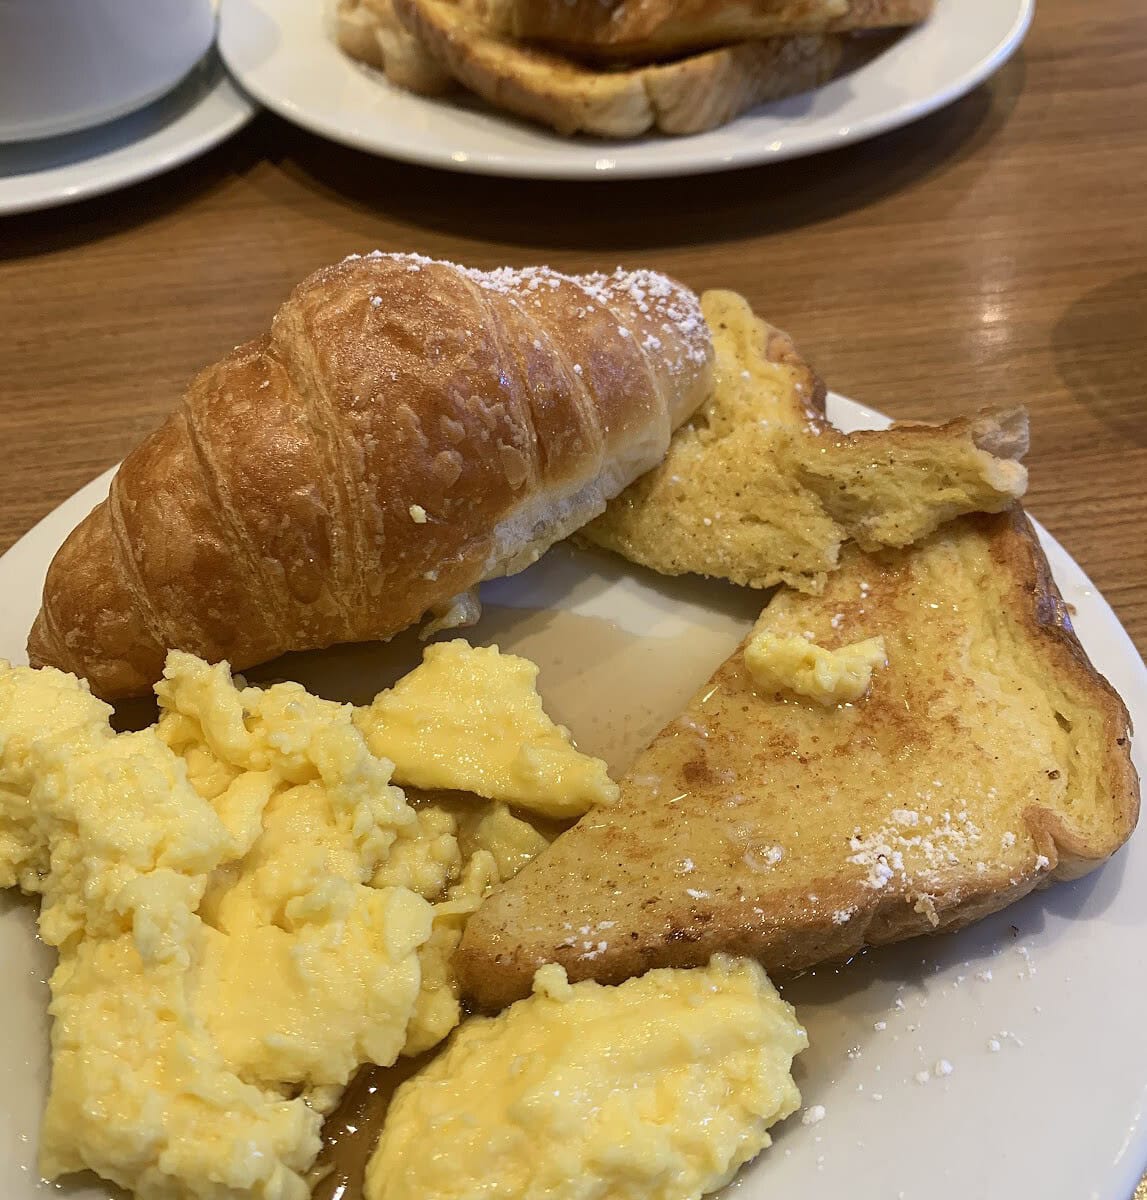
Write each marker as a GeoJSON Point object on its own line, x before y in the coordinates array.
{"type": "Point", "coordinates": [69, 64]}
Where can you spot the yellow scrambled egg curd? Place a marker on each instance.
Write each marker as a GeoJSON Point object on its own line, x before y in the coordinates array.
{"type": "Point", "coordinates": [492, 827]}
{"type": "Point", "coordinates": [104, 827]}
{"type": "Point", "coordinates": [139, 1092]}
{"type": "Point", "coordinates": [246, 910]}
{"type": "Point", "coordinates": [495, 845]}
{"type": "Point", "coordinates": [829, 677]}
{"type": "Point", "coordinates": [470, 719]}
{"type": "Point", "coordinates": [438, 1010]}
{"type": "Point", "coordinates": [659, 1089]}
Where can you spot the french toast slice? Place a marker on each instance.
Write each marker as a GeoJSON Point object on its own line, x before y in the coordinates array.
{"type": "Point", "coordinates": [987, 759]}
{"type": "Point", "coordinates": [645, 30]}
{"type": "Point", "coordinates": [760, 489]}
{"type": "Point", "coordinates": [687, 96]}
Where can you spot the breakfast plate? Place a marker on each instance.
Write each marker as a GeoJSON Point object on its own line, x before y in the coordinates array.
{"type": "Point", "coordinates": [200, 113]}
{"type": "Point", "coordinates": [1006, 1060]}
{"type": "Point", "coordinates": [283, 52]}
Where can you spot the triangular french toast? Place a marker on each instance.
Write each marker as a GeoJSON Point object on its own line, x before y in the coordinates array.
{"type": "Point", "coordinates": [987, 758]}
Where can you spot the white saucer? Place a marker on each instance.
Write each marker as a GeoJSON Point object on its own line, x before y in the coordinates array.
{"type": "Point", "coordinates": [200, 113]}
{"type": "Point", "coordinates": [283, 52]}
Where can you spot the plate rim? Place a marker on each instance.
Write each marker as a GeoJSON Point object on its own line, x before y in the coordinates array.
{"type": "Point", "coordinates": [613, 163]}
{"type": "Point", "coordinates": [167, 154]}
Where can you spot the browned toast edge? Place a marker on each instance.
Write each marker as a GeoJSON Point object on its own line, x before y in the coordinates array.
{"type": "Point", "coordinates": [642, 31]}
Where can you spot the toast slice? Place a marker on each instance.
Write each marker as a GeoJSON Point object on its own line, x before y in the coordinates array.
{"type": "Point", "coordinates": [370, 31]}
{"type": "Point", "coordinates": [682, 97]}
{"type": "Point", "coordinates": [646, 30]}
{"type": "Point", "coordinates": [758, 488]}
{"type": "Point", "coordinates": [987, 759]}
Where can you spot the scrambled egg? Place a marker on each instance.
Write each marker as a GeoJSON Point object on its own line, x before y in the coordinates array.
{"type": "Point", "coordinates": [140, 1092]}
{"type": "Point", "coordinates": [247, 909]}
{"type": "Point", "coordinates": [469, 718]}
{"type": "Point", "coordinates": [659, 1089]}
{"type": "Point", "coordinates": [829, 677]}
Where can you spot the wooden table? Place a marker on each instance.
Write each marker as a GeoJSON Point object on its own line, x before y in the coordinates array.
{"type": "Point", "coordinates": [995, 252]}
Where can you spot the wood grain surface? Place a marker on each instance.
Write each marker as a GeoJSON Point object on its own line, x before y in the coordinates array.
{"type": "Point", "coordinates": [994, 252]}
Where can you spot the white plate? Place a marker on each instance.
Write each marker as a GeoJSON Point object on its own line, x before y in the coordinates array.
{"type": "Point", "coordinates": [283, 52]}
{"type": "Point", "coordinates": [200, 113]}
{"type": "Point", "coordinates": [1059, 1116]}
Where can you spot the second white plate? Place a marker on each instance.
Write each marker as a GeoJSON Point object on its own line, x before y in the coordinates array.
{"type": "Point", "coordinates": [283, 52]}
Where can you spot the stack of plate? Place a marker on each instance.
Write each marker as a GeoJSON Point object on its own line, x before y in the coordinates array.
{"type": "Point", "coordinates": [96, 94]}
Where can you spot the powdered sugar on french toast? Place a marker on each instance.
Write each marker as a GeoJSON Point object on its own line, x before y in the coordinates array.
{"type": "Point", "coordinates": [929, 843]}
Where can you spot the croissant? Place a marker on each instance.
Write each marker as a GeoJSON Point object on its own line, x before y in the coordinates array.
{"type": "Point", "coordinates": [407, 429]}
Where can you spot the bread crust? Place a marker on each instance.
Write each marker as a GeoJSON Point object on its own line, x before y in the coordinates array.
{"type": "Point", "coordinates": [705, 91]}
{"type": "Point", "coordinates": [684, 97]}
{"type": "Point", "coordinates": [356, 31]}
{"type": "Point", "coordinates": [370, 31]}
{"type": "Point", "coordinates": [645, 30]}
{"type": "Point", "coordinates": [406, 429]}
{"type": "Point", "coordinates": [627, 870]}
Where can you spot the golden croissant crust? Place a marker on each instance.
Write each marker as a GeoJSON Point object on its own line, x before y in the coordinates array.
{"type": "Point", "coordinates": [406, 429]}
